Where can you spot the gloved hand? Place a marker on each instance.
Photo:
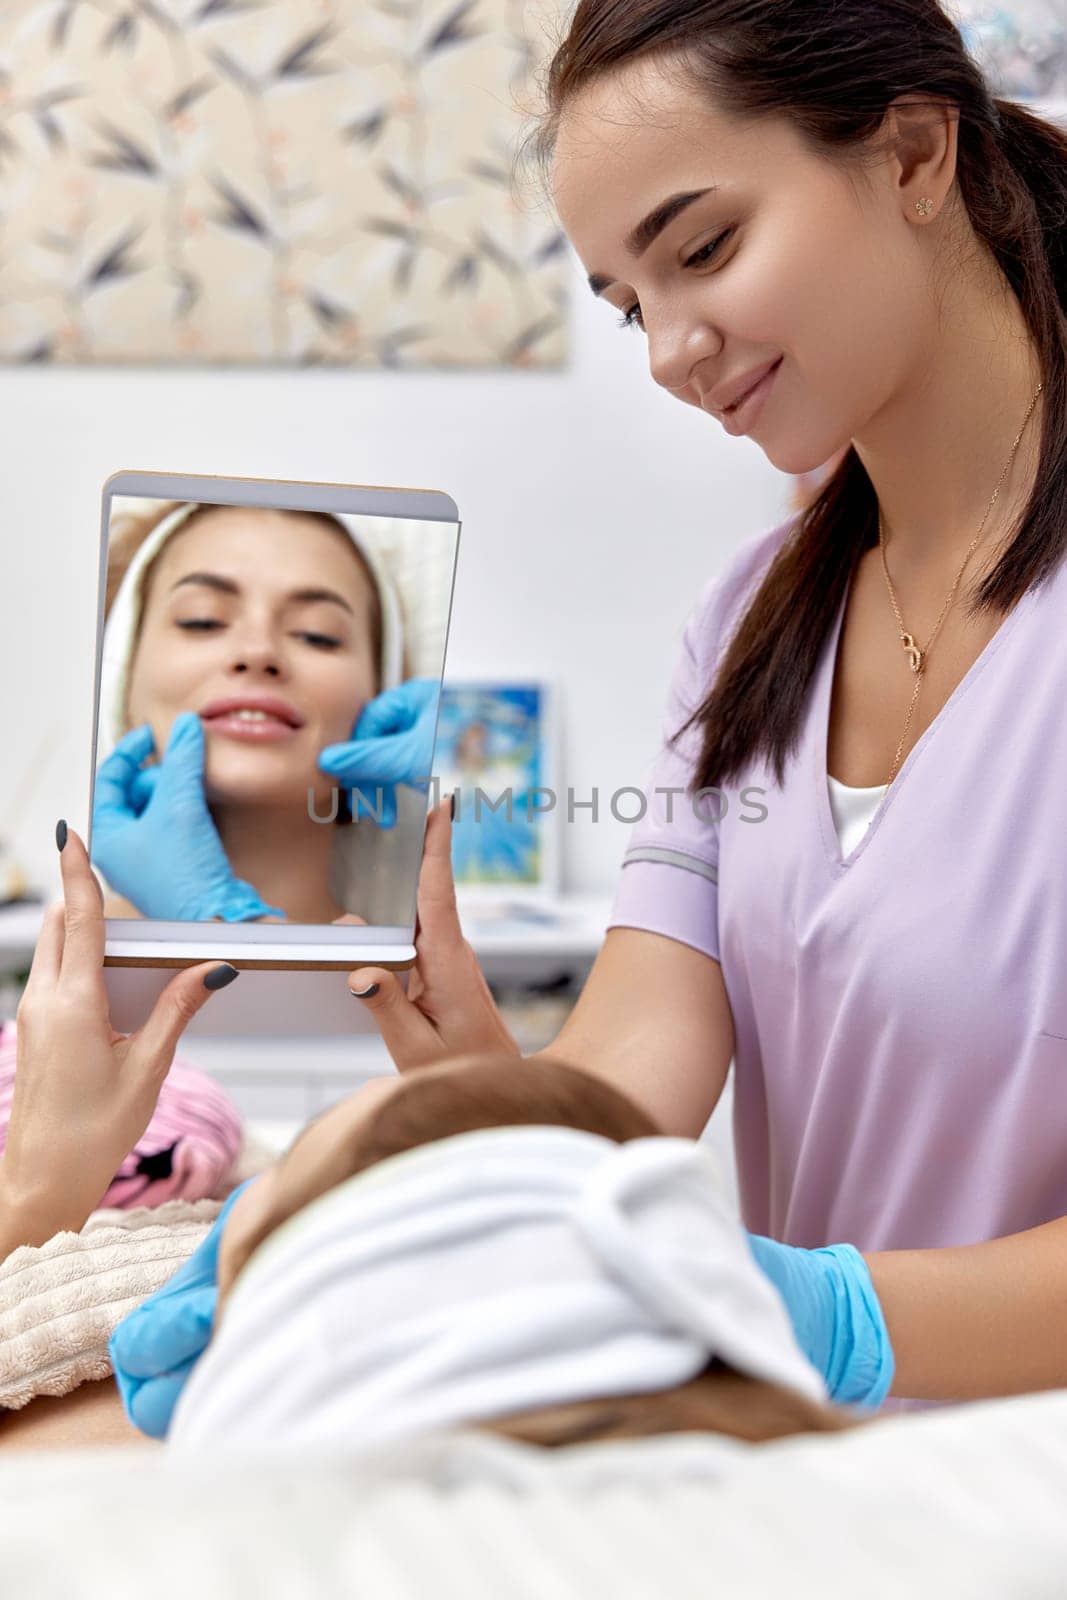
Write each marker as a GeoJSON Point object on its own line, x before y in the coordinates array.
{"type": "Point", "coordinates": [153, 836]}
{"type": "Point", "coordinates": [391, 743]}
{"type": "Point", "coordinates": [155, 1348]}
{"type": "Point", "coordinates": [835, 1315]}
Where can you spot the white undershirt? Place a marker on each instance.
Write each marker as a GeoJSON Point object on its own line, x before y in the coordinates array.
{"type": "Point", "coordinates": [852, 811]}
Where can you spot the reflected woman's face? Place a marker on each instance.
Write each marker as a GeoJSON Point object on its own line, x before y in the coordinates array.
{"type": "Point", "coordinates": [262, 622]}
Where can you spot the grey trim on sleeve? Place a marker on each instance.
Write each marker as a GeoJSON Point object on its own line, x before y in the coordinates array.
{"type": "Point", "coordinates": [672, 858]}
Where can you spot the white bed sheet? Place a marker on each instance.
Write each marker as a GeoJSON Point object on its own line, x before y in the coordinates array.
{"type": "Point", "coordinates": [962, 1504]}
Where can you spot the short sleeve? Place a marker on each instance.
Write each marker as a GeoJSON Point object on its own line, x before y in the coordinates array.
{"type": "Point", "coordinates": [670, 871]}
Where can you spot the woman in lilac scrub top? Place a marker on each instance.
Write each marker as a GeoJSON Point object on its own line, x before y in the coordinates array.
{"type": "Point", "coordinates": [896, 1009]}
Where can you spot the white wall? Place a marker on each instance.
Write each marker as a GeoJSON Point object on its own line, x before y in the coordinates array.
{"type": "Point", "coordinates": [594, 507]}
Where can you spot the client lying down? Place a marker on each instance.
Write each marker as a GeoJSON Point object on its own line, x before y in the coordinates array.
{"type": "Point", "coordinates": [484, 1242]}
{"type": "Point", "coordinates": [496, 1243]}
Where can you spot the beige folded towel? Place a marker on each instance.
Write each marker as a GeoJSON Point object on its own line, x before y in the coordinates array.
{"type": "Point", "coordinates": [60, 1301]}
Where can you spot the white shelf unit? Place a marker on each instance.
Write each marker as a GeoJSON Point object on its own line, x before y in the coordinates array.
{"type": "Point", "coordinates": [19, 927]}
{"type": "Point", "coordinates": [285, 1045]}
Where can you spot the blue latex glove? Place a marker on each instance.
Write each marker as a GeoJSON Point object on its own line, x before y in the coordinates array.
{"type": "Point", "coordinates": [156, 1347]}
{"type": "Point", "coordinates": [391, 743]}
{"type": "Point", "coordinates": [835, 1315]}
{"type": "Point", "coordinates": [153, 837]}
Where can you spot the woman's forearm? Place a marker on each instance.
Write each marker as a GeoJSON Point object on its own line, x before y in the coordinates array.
{"type": "Point", "coordinates": [979, 1320]}
{"type": "Point", "coordinates": [33, 1216]}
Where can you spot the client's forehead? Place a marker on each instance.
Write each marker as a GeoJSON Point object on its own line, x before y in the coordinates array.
{"type": "Point", "coordinates": [263, 545]}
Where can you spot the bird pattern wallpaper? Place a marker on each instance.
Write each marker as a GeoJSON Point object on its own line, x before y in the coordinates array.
{"type": "Point", "coordinates": [292, 182]}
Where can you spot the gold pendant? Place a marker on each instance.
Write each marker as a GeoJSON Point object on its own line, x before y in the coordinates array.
{"type": "Point", "coordinates": [914, 654]}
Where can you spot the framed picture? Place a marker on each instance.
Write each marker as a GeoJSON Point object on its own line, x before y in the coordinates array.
{"type": "Point", "coordinates": [496, 747]}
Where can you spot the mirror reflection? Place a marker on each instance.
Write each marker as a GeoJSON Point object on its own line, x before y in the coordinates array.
{"type": "Point", "coordinates": [269, 689]}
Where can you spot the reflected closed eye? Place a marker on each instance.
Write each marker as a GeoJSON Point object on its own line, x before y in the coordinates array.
{"type": "Point", "coordinates": [321, 641]}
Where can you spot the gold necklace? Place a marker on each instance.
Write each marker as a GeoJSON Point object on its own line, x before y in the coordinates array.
{"type": "Point", "coordinates": [917, 657]}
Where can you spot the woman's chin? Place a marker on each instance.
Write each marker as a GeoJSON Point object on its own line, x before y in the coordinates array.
{"type": "Point", "coordinates": [269, 775]}
{"type": "Point", "coordinates": [272, 792]}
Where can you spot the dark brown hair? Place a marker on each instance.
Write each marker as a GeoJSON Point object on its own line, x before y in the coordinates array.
{"type": "Point", "coordinates": [832, 71]}
{"type": "Point", "coordinates": [718, 1400]}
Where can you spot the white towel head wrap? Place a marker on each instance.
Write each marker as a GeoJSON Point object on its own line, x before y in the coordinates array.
{"type": "Point", "coordinates": [124, 618]}
{"type": "Point", "coordinates": [488, 1273]}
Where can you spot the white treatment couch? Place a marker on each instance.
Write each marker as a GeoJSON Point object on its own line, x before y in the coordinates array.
{"type": "Point", "coordinates": [965, 1503]}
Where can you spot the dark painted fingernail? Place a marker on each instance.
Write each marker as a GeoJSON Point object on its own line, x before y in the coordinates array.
{"type": "Point", "coordinates": [365, 994]}
{"type": "Point", "coordinates": [452, 805]}
{"type": "Point", "coordinates": [219, 977]}
{"type": "Point", "coordinates": [61, 834]}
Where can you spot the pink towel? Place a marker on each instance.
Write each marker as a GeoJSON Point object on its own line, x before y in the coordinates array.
{"type": "Point", "coordinates": [185, 1153]}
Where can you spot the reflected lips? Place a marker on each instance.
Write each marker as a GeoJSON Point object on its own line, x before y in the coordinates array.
{"type": "Point", "coordinates": [253, 718]}
{"type": "Point", "coordinates": [742, 416]}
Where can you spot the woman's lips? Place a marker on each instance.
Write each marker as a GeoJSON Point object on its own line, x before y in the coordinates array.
{"type": "Point", "coordinates": [261, 729]}
{"type": "Point", "coordinates": [257, 719]}
{"type": "Point", "coordinates": [740, 417]}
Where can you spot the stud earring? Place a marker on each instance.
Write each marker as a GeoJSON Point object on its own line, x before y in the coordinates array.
{"type": "Point", "coordinates": [924, 206]}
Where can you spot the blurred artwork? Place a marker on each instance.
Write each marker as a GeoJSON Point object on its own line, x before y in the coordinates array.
{"type": "Point", "coordinates": [494, 748]}
{"type": "Point", "coordinates": [1020, 46]}
{"type": "Point", "coordinates": [252, 181]}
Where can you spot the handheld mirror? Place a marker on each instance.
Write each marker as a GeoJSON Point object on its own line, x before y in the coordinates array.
{"type": "Point", "coordinates": [269, 665]}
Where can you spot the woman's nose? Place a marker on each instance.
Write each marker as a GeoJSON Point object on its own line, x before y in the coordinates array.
{"type": "Point", "coordinates": [675, 350]}
{"type": "Point", "coordinates": [258, 657]}
{"type": "Point", "coordinates": [269, 669]}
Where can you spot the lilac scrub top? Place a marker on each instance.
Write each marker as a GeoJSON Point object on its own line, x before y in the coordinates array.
{"type": "Point", "coordinates": [900, 1070]}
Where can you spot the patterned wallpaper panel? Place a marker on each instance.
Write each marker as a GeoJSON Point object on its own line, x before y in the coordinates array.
{"type": "Point", "coordinates": [282, 181]}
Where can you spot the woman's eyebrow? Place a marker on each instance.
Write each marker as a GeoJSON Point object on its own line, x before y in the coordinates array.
{"type": "Point", "coordinates": [212, 580]}
{"type": "Point", "coordinates": [215, 580]}
{"type": "Point", "coordinates": [649, 228]}
{"type": "Point", "coordinates": [321, 594]}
